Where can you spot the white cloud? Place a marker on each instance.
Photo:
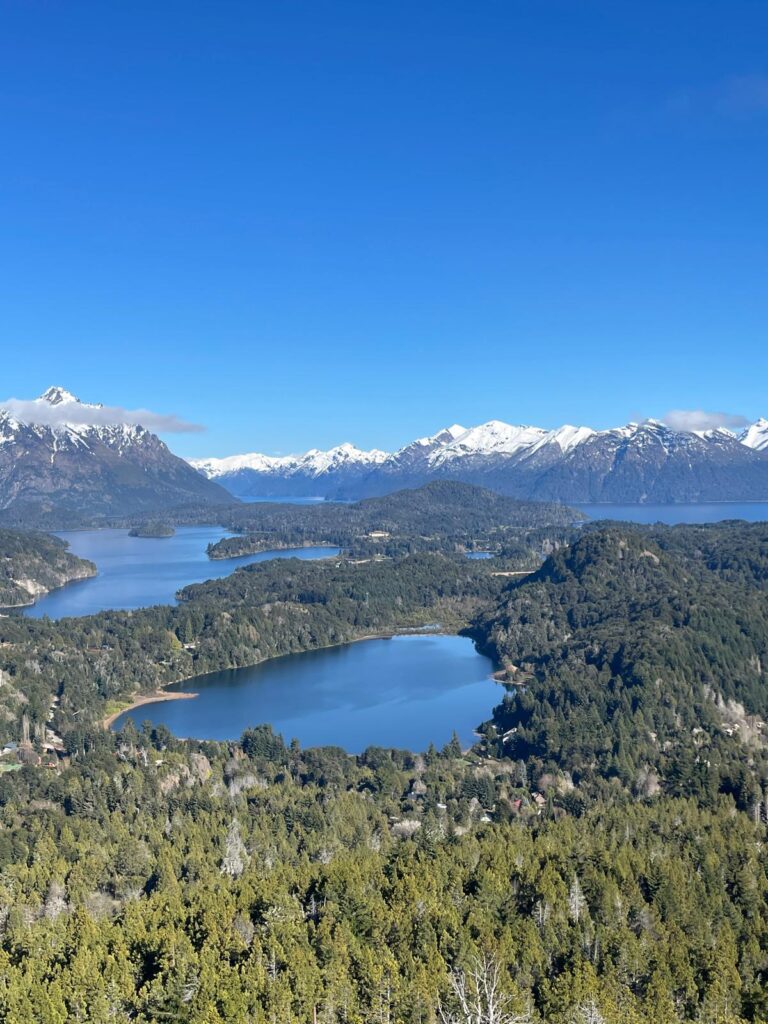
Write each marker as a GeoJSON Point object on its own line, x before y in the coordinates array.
{"type": "Point", "coordinates": [698, 419]}
{"type": "Point", "coordinates": [80, 414]}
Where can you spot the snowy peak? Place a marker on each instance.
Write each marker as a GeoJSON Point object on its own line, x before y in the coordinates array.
{"type": "Point", "coordinates": [311, 463]}
{"type": "Point", "coordinates": [60, 421]}
{"type": "Point", "coordinates": [564, 438]}
{"type": "Point", "coordinates": [444, 436]}
{"type": "Point", "coordinates": [756, 435]}
{"type": "Point", "coordinates": [252, 461]}
{"type": "Point", "coordinates": [58, 453]}
{"type": "Point", "coordinates": [343, 456]}
{"type": "Point", "coordinates": [492, 438]}
{"type": "Point", "coordinates": [58, 396]}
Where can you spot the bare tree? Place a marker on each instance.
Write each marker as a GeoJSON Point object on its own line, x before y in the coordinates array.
{"type": "Point", "coordinates": [235, 853]}
{"type": "Point", "coordinates": [576, 901]}
{"type": "Point", "coordinates": [478, 996]}
{"type": "Point", "coordinates": [588, 1013]}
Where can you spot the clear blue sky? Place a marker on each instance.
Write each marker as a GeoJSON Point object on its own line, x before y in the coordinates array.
{"type": "Point", "coordinates": [306, 222]}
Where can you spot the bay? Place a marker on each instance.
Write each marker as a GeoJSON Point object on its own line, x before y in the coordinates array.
{"type": "Point", "coordinates": [134, 572]}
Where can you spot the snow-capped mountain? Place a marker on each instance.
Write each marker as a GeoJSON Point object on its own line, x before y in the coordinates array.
{"type": "Point", "coordinates": [638, 462]}
{"type": "Point", "coordinates": [55, 459]}
{"type": "Point", "coordinates": [756, 436]}
{"type": "Point", "coordinates": [339, 466]}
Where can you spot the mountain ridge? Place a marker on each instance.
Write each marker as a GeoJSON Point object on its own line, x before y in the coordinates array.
{"type": "Point", "coordinates": [638, 462]}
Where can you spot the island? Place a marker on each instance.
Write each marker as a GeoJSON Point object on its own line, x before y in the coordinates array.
{"type": "Point", "coordinates": [153, 530]}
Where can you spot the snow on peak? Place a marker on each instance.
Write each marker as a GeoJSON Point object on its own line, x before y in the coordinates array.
{"type": "Point", "coordinates": [652, 424]}
{"type": "Point", "coordinates": [58, 396]}
{"type": "Point", "coordinates": [343, 455]}
{"type": "Point", "coordinates": [566, 438]}
{"type": "Point", "coordinates": [444, 436]}
{"type": "Point", "coordinates": [314, 462]}
{"type": "Point", "coordinates": [715, 434]}
{"type": "Point", "coordinates": [494, 438]}
{"type": "Point", "coordinates": [491, 438]}
{"type": "Point", "coordinates": [235, 463]}
{"type": "Point", "coordinates": [455, 430]}
{"type": "Point", "coordinates": [756, 435]}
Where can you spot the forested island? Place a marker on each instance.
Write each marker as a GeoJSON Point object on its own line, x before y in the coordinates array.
{"type": "Point", "coordinates": [152, 529]}
{"type": "Point", "coordinates": [599, 855]}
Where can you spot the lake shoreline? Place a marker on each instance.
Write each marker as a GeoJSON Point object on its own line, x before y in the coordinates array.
{"type": "Point", "coordinates": [352, 695]}
{"type": "Point", "coordinates": [305, 545]}
{"type": "Point", "coordinates": [162, 694]}
{"type": "Point", "coordinates": [149, 698]}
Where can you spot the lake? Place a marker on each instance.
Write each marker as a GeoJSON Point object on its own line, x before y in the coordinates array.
{"type": "Point", "coordinates": [138, 571]}
{"type": "Point", "coordinates": [704, 512]}
{"type": "Point", "coordinates": [406, 691]}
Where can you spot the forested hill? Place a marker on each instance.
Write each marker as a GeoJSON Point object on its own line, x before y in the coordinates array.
{"type": "Point", "coordinates": [451, 505]}
{"type": "Point", "coordinates": [639, 658]}
{"type": "Point", "coordinates": [443, 515]}
{"type": "Point", "coordinates": [31, 564]}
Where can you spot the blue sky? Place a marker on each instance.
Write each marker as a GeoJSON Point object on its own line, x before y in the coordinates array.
{"type": "Point", "coordinates": [302, 223]}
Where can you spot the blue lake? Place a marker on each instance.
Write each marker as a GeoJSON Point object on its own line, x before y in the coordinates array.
{"type": "Point", "coordinates": [704, 512]}
{"type": "Point", "coordinates": [134, 572]}
{"type": "Point", "coordinates": [407, 691]}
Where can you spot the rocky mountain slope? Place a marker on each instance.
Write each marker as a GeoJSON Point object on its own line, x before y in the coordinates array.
{"type": "Point", "coordinates": [639, 462]}
{"type": "Point", "coordinates": [50, 463]}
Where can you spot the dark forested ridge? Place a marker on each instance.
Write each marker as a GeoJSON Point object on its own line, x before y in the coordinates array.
{"type": "Point", "coordinates": [441, 516]}
{"type": "Point", "coordinates": [31, 564]}
{"type": "Point", "coordinates": [598, 857]}
{"type": "Point", "coordinates": [639, 657]}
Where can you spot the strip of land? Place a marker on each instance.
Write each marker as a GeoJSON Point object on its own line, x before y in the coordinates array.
{"type": "Point", "coordinates": [149, 698]}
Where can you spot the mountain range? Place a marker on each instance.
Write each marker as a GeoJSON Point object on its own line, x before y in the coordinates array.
{"type": "Point", "coordinates": [640, 462]}
{"type": "Point", "coordinates": [51, 463]}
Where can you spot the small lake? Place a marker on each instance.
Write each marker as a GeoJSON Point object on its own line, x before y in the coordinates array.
{"type": "Point", "coordinates": [703, 512]}
{"type": "Point", "coordinates": [407, 692]}
{"type": "Point", "coordinates": [138, 571]}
